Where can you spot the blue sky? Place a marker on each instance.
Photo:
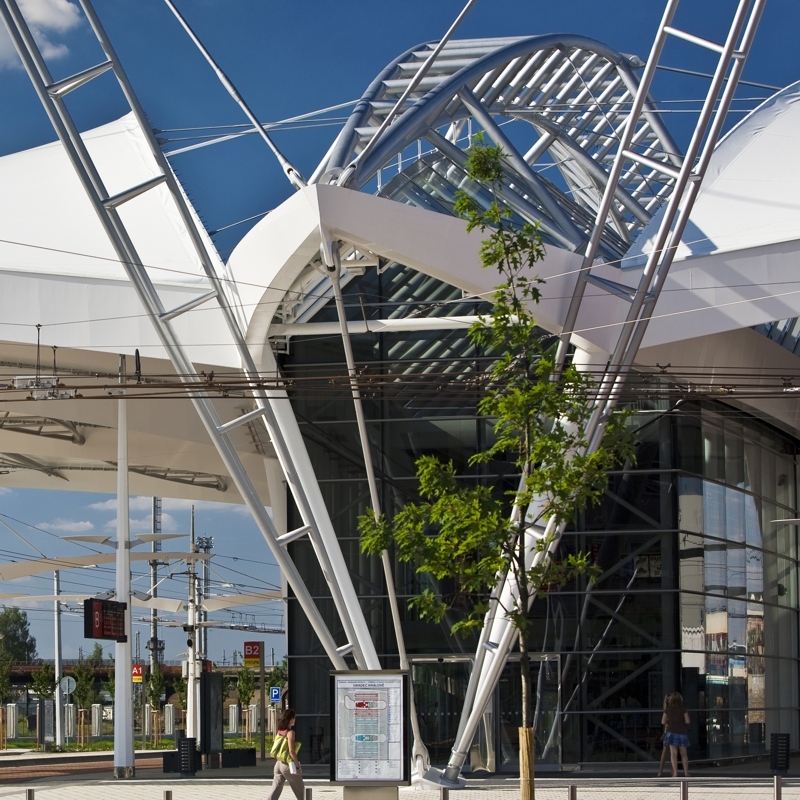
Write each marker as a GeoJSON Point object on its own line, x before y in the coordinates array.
{"type": "Point", "coordinates": [32, 523]}
{"type": "Point", "coordinates": [287, 59]}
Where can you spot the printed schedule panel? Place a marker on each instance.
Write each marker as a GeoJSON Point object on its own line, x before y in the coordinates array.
{"type": "Point", "coordinates": [370, 727]}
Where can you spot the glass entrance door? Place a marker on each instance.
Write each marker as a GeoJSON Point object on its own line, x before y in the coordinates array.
{"type": "Point", "coordinates": [440, 685]}
{"type": "Point", "coordinates": [546, 688]}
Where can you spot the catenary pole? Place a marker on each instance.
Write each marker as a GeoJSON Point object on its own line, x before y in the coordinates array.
{"type": "Point", "coordinates": [191, 644]}
{"type": "Point", "coordinates": [59, 694]}
{"type": "Point", "coordinates": [124, 759]}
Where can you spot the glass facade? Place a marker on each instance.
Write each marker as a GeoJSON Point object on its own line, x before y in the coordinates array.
{"type": "Point", "coordinates": [698, 587]}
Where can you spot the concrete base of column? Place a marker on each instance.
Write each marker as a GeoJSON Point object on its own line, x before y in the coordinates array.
{"type": "Point", "coordinates": [369, 793]}
{"type": "Point", "coordinates": [124, 773]}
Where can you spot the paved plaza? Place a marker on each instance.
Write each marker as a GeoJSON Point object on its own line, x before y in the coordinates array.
{"type": "Point", "coordinates": [59, 778]}
{"type": "Point", "coordinates": [232, 788]}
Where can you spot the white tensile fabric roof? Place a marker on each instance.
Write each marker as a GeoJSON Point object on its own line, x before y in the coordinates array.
{"type": "Point", "coordinates": [59, 269]}
{"type": "Point", "coordinates": [750, 195]}
{"type": "Point", "coordinates": [48, 225]}
{"type": "Point", "coordinates": [737, 266]}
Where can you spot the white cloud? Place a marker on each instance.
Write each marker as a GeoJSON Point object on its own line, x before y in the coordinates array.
{"type": "Point", "coordinates": [169, 524]}
{"type": "Point", "coordinates": [143, 503]}
{"type": "Point", "coordinates": [138, 525]}
{"type": "Point", "coordinates": [136, 503]}
{"type": "Point", "coordinates": [6, 490]}
{"type": "Point", "coordinates": [145, 524]}
{"type": "Point", "coordinates": [68, 525]}
{"type": "Point", "coordinates": [106, 505]}
{"type": "Point", "coordinates": [59, 15]}
{"type": "Point", "coordinates": [176, 504]}
{"type": "Point", "coordinates": [45, 18]}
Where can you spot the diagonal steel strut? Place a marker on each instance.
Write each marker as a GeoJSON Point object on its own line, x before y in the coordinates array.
{"type": "Point", "coordinates": [282, 427]}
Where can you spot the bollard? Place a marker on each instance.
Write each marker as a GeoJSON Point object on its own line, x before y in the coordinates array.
{"type": "Point", "coordinates": [308, 793]}
{"type": "Point", "coordinates": [29, 794]}
{"type": "Point", "coordinates": [167, 794]}
{"type": "Point", "coordinates": [572, 792]}
{"type": "Point", "coordinates": [778, 787]}
{"type": "Point", "coordinates": [444, 793]}
{"type": "Point", "coordinates": [684, 789]}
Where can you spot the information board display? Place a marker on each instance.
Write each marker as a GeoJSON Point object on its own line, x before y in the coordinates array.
{"type": "Point", "coordinates": [370, 728]}
{"type": "Point", "coordinates": [104, 619]}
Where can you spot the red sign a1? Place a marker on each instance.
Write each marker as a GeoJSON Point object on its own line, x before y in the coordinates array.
{"type": "Point", "coordinates": [252, 653]}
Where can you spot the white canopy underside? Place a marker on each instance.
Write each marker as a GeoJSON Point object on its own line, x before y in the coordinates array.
{"type": "Point", "coordinates": [57, 268]}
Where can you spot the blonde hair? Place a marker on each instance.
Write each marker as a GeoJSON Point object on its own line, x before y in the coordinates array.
{"type": "Point", "coordinates": [673, 700]}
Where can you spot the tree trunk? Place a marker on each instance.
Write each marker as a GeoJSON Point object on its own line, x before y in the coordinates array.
{"type": "Point", "coordinates": [527, 737]}
{"type": "Point", "coordinates": [527, 756]}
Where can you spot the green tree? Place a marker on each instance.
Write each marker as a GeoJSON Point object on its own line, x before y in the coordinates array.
{"type": "Point", "coordinates": [155, 687]}
{"type": "Point", "coordinates": [246, 688]}
{"type": "Point", "coordinates": [465, 536]}
{"type": "Point", "coordinates": [110, 684]}
{"type": "Point", "coordinates": [278, 675]}
{"type": "Point", "coordinates": [84, 692]}
{"type": "Point", "coordinates": [5, 679]}
{"type": "Point", "coordinates": [95, 658]}
{"type": "Point", "coordinates": [180, 687]}
{"type": "Point", "coordinates": [16, 643]}
{"type": "Point", "coordinates": [43, 682]}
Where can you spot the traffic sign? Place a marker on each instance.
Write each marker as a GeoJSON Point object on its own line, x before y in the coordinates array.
{"type": "Point", "coordinates": [252, 654]}
{"type": "Point", "coordinates": [67, 684]}
{"type": "Point", "coordinates": [136, 672]}
{"type": "Point", "coordinates": [274, 694]}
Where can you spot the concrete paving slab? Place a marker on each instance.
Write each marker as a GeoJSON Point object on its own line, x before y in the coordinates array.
{"type": "Point", "coordinates": [73, 777]}
{"type": "Point", "coordinates": [230, 788]}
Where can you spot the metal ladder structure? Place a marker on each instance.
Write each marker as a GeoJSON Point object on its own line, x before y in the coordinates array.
{"type": "Point", "coordinates": [498, 634]}
{"type": "Point", "coordinates": [282, 427]}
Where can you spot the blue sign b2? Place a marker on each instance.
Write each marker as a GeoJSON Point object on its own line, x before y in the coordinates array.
{"type": "Point", "coordinates": [274, 694]}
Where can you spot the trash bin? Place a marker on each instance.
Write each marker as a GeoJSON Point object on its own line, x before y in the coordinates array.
{"type": "Point", "coordinates": [189, 757]}
{"type": "Point", "coordinates": [779, 752]}
{"type": "Point", "coordinates": [171, 761]}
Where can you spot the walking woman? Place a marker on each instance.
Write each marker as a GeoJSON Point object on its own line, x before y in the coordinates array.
{"type": "Point", "coordinates": [287, 765]}
{"type": "Point", "coordinates": [676, 720]}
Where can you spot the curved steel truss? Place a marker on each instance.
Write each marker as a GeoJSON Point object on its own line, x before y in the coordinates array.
{"type": "Point", "coordinates": [56, 468]}
{"type": "Point", "coordinates": [45, 427]}
{"type": "Point", "coordinates": [557, 104]}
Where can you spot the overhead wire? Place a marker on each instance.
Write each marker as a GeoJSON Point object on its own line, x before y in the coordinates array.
{"type": "Point", "coordinates": [312, 295]}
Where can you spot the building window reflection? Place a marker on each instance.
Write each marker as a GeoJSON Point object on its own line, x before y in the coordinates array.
{"type": "Point", "coordinates": [698, 586]}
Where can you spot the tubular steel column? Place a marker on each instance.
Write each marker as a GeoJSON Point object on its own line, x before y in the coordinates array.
{"type": "Point", "coordinates": [153, 644]}
{"type": "Point", "coordinates": [124, 759]}
{"type": "Point", "coordinates": [58, 671]}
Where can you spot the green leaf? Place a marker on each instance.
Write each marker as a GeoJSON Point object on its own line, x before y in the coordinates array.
{"type": "Point", "coordinates": [461, 538]}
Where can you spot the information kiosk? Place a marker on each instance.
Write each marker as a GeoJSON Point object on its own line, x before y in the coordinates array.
{"type": "Point", "coordinates": [370, 754]}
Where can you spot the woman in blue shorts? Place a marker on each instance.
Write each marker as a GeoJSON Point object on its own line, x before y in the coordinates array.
{"type": "Point", "coordinates": [676, 720]}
